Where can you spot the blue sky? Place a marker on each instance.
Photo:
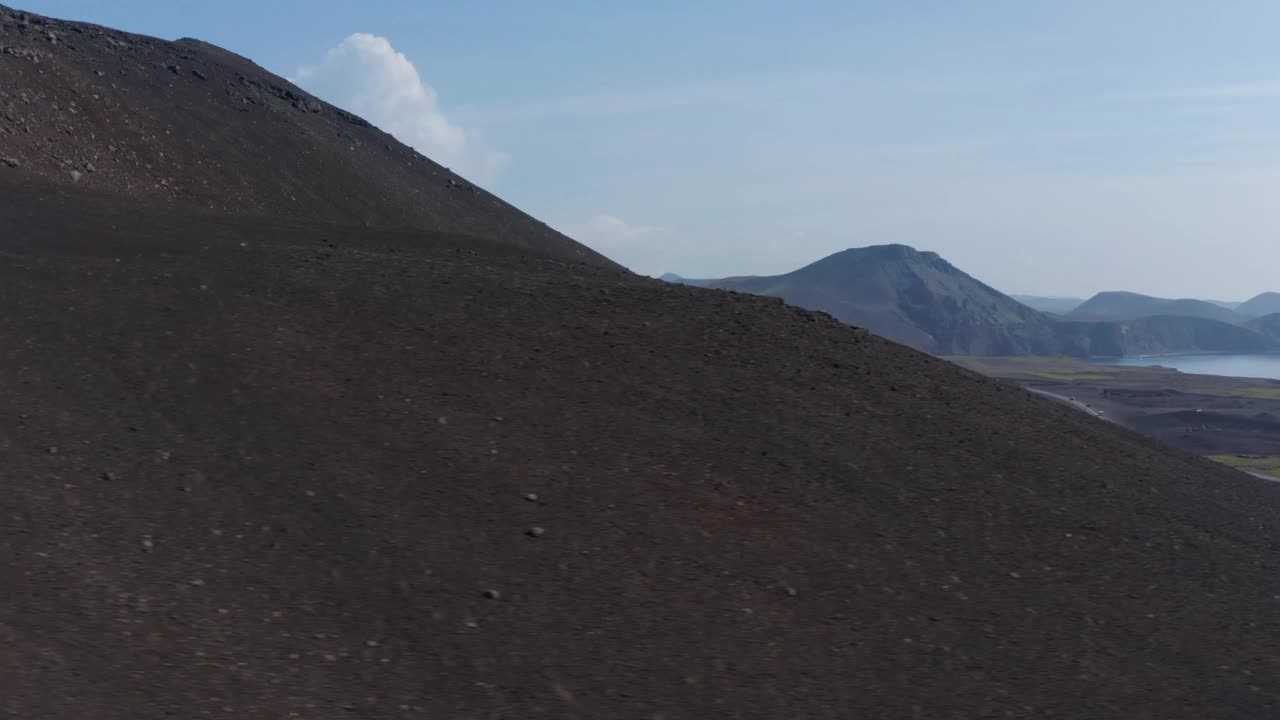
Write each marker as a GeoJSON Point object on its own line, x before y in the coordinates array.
{"type": "Point", "coordinates": [1044, 147]}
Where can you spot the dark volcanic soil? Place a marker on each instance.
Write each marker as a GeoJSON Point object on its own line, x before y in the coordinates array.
{"type": "Point", "coordinates": [191, 123]}
{"type": "Point", "coordinates": [269, 468]}
{"type": "Point", "coordinates": [258, 469]}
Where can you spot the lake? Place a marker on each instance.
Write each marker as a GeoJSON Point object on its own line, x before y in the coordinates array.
{"type": "Point", "coordinates": [1253, 366]}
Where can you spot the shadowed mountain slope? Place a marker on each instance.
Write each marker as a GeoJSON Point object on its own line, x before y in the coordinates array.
{"type": "Point", "coordinates": [1265, 303]}
{"type": "Point", "coordinates": [189, 122]}
{"type": "Point", "coordinates": [915, 298]}
{"type": "Point", "coordinates": [1268, 326]}
{"type": "Point", "coordinates": [1158, 335]}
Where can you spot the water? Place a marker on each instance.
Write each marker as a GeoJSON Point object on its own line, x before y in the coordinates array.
{"type": "Point", "coordinates": [1250, 366]}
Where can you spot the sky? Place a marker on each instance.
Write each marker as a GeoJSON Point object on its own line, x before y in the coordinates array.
{"type": "Point", "coordinates": [1044, 147]}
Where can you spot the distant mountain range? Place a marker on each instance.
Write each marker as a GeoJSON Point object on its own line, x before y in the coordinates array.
{"type": "Point", "coordinates": [1130, 306]}
{"type": "Point", "coordinates": [1268, 326]}
{"type": "Point", "coordinates": [1265, 304]}
{"type": "Point", "coordinates": [1053, 305]}
{"type": "Point", "coordinates": [915, 298]}
{"type": "Point", "coordinates": [919, 299]}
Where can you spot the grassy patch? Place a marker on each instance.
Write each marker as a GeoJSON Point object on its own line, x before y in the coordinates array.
{"type": "Point", "coordinates": [1068, 375]}
{"type": "Point", "coordinates": [1269, 465]}
{"type": "Point", "coordinates": [1270, 393]}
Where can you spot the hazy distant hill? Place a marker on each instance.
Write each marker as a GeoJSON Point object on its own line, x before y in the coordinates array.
{"type": "Point", "coordinates": [1055, 305]}
{"type": "Point", "coordinates": [919, 299]}
{"type": "Point", "coordinates": [915, 298]}
{"type": "Point", "coordinates": [1158, 335]}
{"type": "Point", "coordinates": [1117, 305]}
{"type": "Point", "coordinates": [1268, 326]}
{"type": "Point", "coordinates": [1260, 305]}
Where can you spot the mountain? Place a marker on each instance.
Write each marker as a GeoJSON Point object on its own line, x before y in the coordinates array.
{"type": "Point", "coordinates": [1054, 305]}
{"type": "Point", "coordinates": [1259, 305]}
{"type": "Point", "coordinates": [1158, 335]}
{"type": "Point", "coordinates": [1128, 306]}
{"type": "Point", "coordinates": [98, 108]}
{"type": "Point", "coordinates": [915, 298]}
{"type": "Point", "coordinates": [259, 465]}
{"type": "Point", "coordinates": [1268, 326]}
{"type": "Point", "coordinates": [920, 300]}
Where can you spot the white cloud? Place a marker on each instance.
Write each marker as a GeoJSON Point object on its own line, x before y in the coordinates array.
{"type": "Point", "coordinates": [610, 231]}
{"type": "Point", "coordinates": [1234, 91]}
{"type": "Point", "coordinates": [366, 75]}
{"type": "Point", "coordinates": [1224, 92]}
{"type": "Point", "coordinates": [642, 248]}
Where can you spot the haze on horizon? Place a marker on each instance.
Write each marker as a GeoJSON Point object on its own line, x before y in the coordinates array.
{"type": "Point", "coordinates": [1045, 148]}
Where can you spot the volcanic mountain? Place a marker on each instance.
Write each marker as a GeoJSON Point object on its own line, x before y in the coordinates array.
{"type": "Point", "coordinates": [921, 300]}
{"type": "Point", "coordinates": [186, 122]}
{"type": "Point", "coordinates": [262, 466]}
{"type": "Point", "coordinates": [915, 298]}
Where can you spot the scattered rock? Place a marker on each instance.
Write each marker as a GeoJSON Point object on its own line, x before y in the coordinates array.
{"type": "Point", "coordinates": [536, 532]}
{"type": "Point", "coordinates": [10, 162]}
{"type": "Point", "coordinates": [531, 497]}
{"type": "Point", "coordinates": [109, 476]}
{"type": "Point", "coordinates": [492, 594]}
{"type": "Point", "coordinates": [199, 75]}
{"type": "Point", "coordinates": [173, 69]}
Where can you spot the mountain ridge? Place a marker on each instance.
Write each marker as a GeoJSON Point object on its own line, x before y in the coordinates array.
{"type": "Point", "coordinates": [1123, 305]}
{"type": "Point", "coordinates": [921, 300]}
{"type": "Point", "coordinates": [266, 147]}
{"type": "Point", "coordinates": [910, 296]}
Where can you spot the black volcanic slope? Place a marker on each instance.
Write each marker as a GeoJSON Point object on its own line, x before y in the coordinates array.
{"type": "Point", "coordinates": [261, 468]}
{"type": "Point", "coordinates": [270, 468]}
{"type": "Point", "coordinates": [189, 122]}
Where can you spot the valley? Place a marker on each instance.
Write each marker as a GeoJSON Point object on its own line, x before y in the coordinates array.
{"type": "Point", "coordinates": [1235, 420]}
